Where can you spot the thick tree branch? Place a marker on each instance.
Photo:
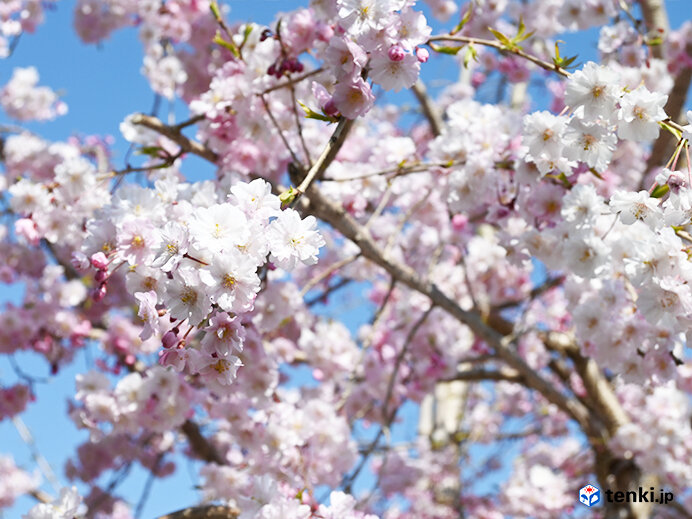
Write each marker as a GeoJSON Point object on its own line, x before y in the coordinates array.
{"type": "Point", "coordinates": [338, 218]}
{"type": "Point", "coordinates": [477, 375]}
{"type": "Point", "coordinates": [201, 445]}
{"type": "Point", "coordinates": [664, 146]}
{"type": "Point", "coordinates": [656, 19]}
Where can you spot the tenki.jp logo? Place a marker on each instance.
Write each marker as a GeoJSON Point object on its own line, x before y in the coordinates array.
{"type": "Point", "coordinates": [590, 495]}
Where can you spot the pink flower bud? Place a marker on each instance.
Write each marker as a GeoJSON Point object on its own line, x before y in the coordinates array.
{"type": "Point", "coordinates": [396, 53]}
{"type": "Point", "coordinates": [459, 222]}
{"type": "Point", "coordinates": [477, 79]}
{"type": "Point", "coordinates": [169, 339]}
{"type": "Point", "coordinates": [99, 260]}
{"type": "Point", "coordinates": [100, 292]}
{"type": "Point", "coordinates": [331, 109]}
{"type": "Point", "coordinates": [101, 275]}
{"type": "Point", "coordinates": [422, 54]}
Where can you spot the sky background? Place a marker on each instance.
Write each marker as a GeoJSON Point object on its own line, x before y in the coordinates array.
{"type": "Point", "coordinates": [101, 85]}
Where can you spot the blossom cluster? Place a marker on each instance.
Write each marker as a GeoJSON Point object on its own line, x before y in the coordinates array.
{"type": "Point", "coordinates": [658, 436]}
{"type": "Point", "coordinates": [14, 482]}
{"type": "Point", "coordinates": [193, 261]}
{"type": "Point", "coordinates": [24, 101]}
{"type": "Point", "coordinates": [17, 17]}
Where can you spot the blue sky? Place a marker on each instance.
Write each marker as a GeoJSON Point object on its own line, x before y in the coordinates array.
{"type": "Point", "coordinates": [101, 85]}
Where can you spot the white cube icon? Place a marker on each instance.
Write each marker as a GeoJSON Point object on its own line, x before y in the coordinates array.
{"type": "Point", "coordinates": [590, 495]}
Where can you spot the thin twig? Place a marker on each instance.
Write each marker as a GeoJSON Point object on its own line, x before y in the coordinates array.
{"type": "Point", "coordinates": [330, 290]}
{"type": "Point", "coordinates": [328, 272]}
{"type": "Point", "coordinates": [552, 67]}
{"type": "Point", "coordinates": [291, 81]}
{"type": "Point", "coordinates": [398, 171]}
{"type": "Point", "coordinates": [147, 486]}
{"type": "Point", "coordinates": [41, 461]}
{"type": "Point", "coordinates": [175, 135]}
{"type": "Point", "coordinates": [295, 158]}
{"type": "Point", "coordinates": [399, 360]}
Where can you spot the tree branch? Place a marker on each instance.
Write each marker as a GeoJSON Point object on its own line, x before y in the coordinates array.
{"type": "Point", "coordinates": [173, 133]}
{"type": "Point", "coordinates": [336, 141]}
{"type": "Point", "coordinates": [475, 375]}
{"type": "Point", "coordinates": [664, 146]}
{"type": "Point", "coordinates": [429, 109]}
{"type": "Point", "coordinates": [656, 19]}
{"type": "Point", "coordinates": [340, 220]}
{"type": "Point", "coordinates": [201, 445]}
{"type": "Point", "coordinates": [204, 512]}
{"type": "Point", "coordinates": [502, 48]}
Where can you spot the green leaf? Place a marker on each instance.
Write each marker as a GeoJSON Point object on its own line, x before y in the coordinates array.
{"type": "Point", "coordinates": [653, 41]}
{"type": "Point", "coordinates": [442, 49]}
{"type": "Point", "coordinates": [288, 196]}
{"type": "Point", "coordinates": [557, 50]}
{"type": "Point", "coordinates": [152, 151]}
{"type": "Point", "coordinates": [565, 181]}
{"type": "Point", "coordinates": [471, 54]}
{"type": "Point", "coordinates": [226, 44]}
{"type": "Point", "coordinates": [501, 38]}
{"type": "Point", "coordinates": [519, 38]}
{"type": "Point", "coordinates": [246, 34]}
{"type": "Point", "coordinates": [660, 191]}
{"type": "Point", "coordinates": [464, 20]}
{"type": "Point", "coordinates": [311, 114]}
{"type": "Point", "coordinates": [521, 32]}
{"type": "Point", "coordinates": [521, 28]}
{"type": "Point", "coordinates": [561, 62]}
{"type": "Point", "coordinates": [215, 10]}
{"type": "Point", "coordinates": [666, 126]}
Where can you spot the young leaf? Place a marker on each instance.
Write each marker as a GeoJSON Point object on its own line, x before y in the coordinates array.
{"type": "Point", "coordinates": [226, 44]}
{"type": "Point", "coordinates": [464, 20]}
{"type": "Point", "coordinates": [446, 50]}
{"type": "Point", "coordinates": [152, 151]}
{"type": "Point", "coordinates": [471, 54]}
{"type": "Point", "coordinates": [660, 191]}
{"type": "Point", "coordinates": [501, 38]}
{"type": "Point", "coordinates": [215, 10]}
{"type": "Point", "coordinates": [288, 196]}
{"type": "Point", "coordinates": [311, 114]}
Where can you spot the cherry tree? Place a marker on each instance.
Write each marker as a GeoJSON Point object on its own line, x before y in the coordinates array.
{"type": "Point", "coordinates": [524, 239]}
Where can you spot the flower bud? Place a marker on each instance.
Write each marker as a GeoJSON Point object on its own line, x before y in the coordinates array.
{"type": "Point", "coordinates": [99, 260]}
{"type": "Point", "coordinates": [100, 292]}
{"type": "Point", "coordinates": [396, 53]}
{"type": "Point", "coordinates": [422, 54]}
{"type": "Point", "coordinates": [169, 339]}
{"type": "Point", "coordinates": [459, 222]}
{"type": "Point", "coordinates": [331, 109]}
{"type": "Point", "coordinates": [101, 275]}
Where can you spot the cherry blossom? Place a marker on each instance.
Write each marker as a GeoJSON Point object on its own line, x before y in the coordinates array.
{"type": "Point", "coordinates": [436, 268]}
